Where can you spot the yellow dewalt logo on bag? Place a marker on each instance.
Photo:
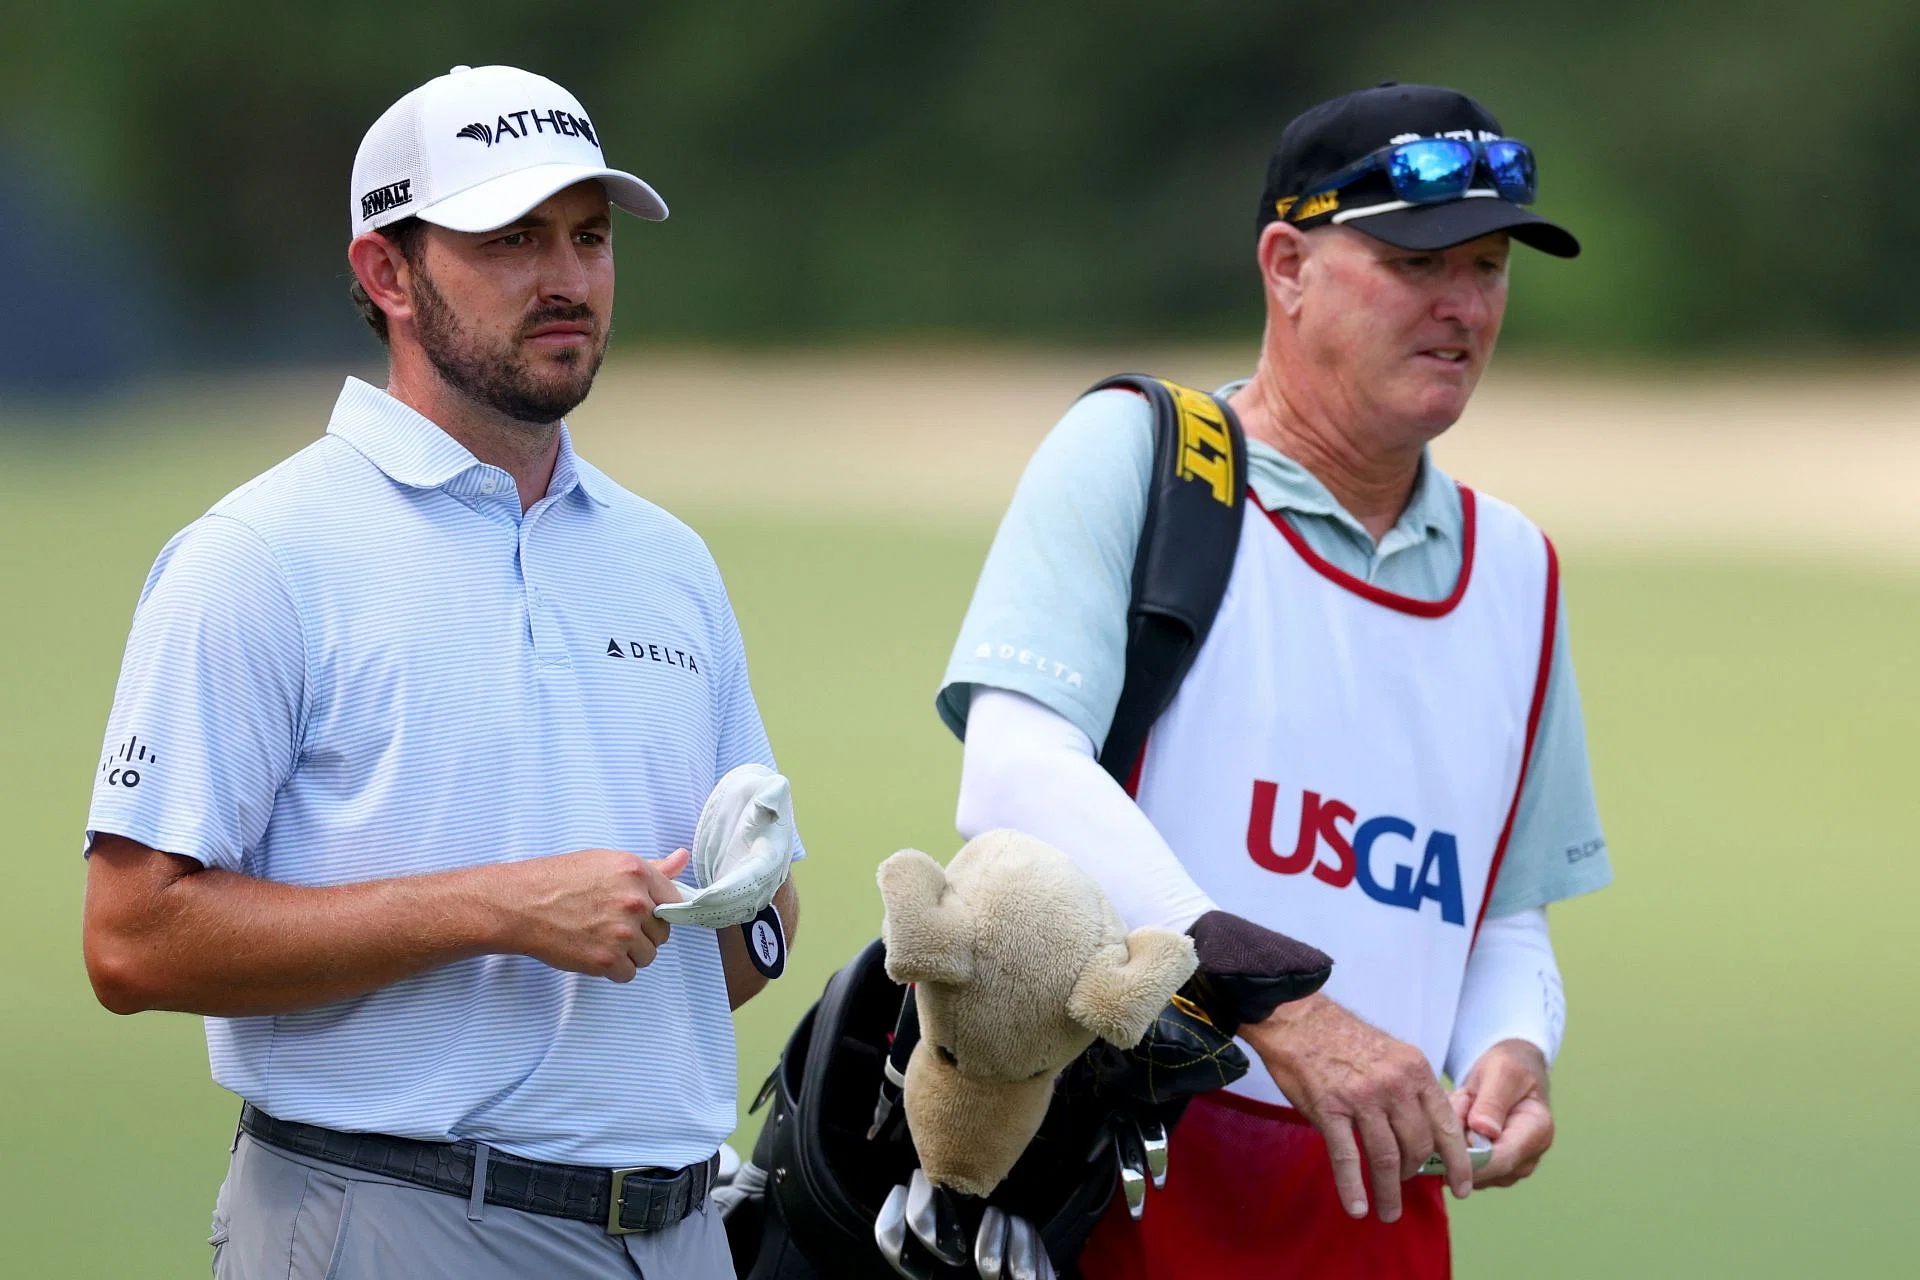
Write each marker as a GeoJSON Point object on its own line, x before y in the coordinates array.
{"type": "Point", "coordinates": [1206, 453]}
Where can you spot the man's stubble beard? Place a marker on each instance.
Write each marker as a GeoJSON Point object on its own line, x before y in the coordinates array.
{"type": "Point", "coordinates": [501, 377]}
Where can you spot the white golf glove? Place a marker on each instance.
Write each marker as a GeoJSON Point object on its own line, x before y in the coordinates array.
{"type": "Point", "coordinates": [742, 847]}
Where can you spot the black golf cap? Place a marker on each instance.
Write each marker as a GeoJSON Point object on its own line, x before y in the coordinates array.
{"type": "Point", "coordinates": [1325, 139]}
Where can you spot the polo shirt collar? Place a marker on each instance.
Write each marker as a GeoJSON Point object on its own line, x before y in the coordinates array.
{"type": "Point", "coordinates": [1280, 484]}
{"type": "Point", "coordinates": [412, 450]}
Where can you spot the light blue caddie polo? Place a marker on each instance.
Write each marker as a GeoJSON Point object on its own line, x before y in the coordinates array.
{"type": "Point", "coordinates": [368, 663]}
{"type": "Point", "coordinates": [1048, 617]}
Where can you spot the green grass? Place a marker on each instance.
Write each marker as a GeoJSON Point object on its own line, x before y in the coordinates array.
{"type": "Point", "coordinates": [1732, 1096]}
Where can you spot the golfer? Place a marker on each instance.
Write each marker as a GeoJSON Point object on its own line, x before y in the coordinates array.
{"type": "Point", "coordinates": [410, 740]}
{"type": "Point", "coordinates": [1379, 749]}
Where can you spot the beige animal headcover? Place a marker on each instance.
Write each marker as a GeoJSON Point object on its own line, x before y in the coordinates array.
{"type": "Point", "coordinates": [1018, 962]}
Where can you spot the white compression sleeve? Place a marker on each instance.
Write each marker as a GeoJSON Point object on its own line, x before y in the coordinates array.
{"type": "Point", "coordinates": [1028, 768]}
{"type": "Point", "coordinates": [1512, 992]}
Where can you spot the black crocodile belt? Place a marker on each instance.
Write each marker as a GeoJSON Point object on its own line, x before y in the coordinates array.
{"type": "Point", "coordinates": [643, 1198]}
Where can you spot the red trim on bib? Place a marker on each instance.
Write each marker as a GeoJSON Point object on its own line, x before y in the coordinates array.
{"type": "Point", "coordinates": [1139, 764]}
{"type": "Point", "coordinates": [1547, 629]}
{"type": "Point", "coordinates": [1366, 590]}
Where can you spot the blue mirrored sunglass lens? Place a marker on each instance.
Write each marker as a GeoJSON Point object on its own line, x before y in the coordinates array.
{"type": "Point", "coordinates": [1512, 166]}
{"type": "Point", "coordinates": [1430, 170]}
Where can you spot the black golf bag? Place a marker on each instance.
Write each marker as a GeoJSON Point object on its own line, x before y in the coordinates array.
{"type": "Point", "coordinates": [804, 1206]}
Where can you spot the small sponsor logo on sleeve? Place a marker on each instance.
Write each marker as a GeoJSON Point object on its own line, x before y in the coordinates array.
{"type": "Point", "coordinates": [1581, 852]}
{"type": "Point", "coordinates": [128, 763]}
{"type": "Point", "coordinates": [1028, 658]}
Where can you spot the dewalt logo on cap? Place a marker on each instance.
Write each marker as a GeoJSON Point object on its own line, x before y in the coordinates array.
{"type": "Point", "coordinates": [391, 196]}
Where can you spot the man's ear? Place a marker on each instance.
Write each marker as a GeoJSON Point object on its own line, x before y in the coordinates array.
{"type": "Point", "coordinates": [1282, 255]}
{"type": "Point", "coordinates": [383, 271]}
{"type": "Point", "coordinates": [928, 928]}
{"type": "Point", "coordinates": [1118, 1000]}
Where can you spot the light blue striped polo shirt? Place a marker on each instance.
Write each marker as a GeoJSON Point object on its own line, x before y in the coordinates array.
{"type": "Point", "coordinates": [367, 663]}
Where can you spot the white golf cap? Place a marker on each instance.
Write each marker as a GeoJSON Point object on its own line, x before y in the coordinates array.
{"type": "Point", "coordinates": [477, 148]}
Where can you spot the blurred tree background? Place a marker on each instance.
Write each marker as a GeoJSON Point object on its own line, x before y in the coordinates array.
{"type": "Point", "coordinates": [173, 175]}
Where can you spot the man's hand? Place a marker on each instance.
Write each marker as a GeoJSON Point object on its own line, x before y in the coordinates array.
{"type": "Point", "coordinates": [1504, 1098]}
{"type": "Point", "coordinates": [1347, 1076]}
{"type": "Point", "coordinates": [590, 912]}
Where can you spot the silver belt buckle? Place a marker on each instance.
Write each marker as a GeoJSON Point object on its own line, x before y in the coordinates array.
{"type": "Point", "coordinates": [615, 1195]}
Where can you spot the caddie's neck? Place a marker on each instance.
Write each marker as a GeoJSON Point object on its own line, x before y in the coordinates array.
{"type": "Point", "coordinates": [1368, 472]}
{"type": "Point", "coordinates": [526, 451]}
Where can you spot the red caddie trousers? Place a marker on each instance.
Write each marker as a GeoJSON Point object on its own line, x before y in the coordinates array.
{"type": "Point", "coordinates": [1250, 1195]}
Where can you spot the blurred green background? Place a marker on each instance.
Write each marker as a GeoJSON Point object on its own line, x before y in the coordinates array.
{"type": "Point", "coordinates": [867, 189]}
{"type": "Point", "coordinates": [173, 175]}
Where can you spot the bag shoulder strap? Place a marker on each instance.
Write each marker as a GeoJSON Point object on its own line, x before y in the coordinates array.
{"type": "Point", "coordinates": [1195, 503]}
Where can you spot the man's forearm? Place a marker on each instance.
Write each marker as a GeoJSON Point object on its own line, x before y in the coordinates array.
{"type": "Point", "coordinates": [1511, 991]}
{"type": "Point", "coordinates": [1027, 767]}
{"type": "Point", "coordinates": [164, 933]}
{"type": "Point", "coordinates": [744, 980]}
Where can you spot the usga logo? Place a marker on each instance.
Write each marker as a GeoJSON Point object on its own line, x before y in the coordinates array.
{"type": "Point", "coordinates": [1352, 858]}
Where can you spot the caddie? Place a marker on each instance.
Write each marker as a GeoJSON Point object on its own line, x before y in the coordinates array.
{"type": "Point", "coordinates": [411, 739]}
{"type": "Point", "coordinates": [1379, 747]}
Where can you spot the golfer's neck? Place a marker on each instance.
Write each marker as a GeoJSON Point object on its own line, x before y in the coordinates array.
{"type": "Point", "coordinates": [524, 450]}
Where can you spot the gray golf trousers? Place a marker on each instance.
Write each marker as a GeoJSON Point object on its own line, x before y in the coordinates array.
{"type": "Point", "coordinates": [289, 1217]}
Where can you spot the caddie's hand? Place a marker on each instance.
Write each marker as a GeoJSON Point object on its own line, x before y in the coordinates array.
{"type": "Point", "coordinates": [1504, 1097]}
{"type": "Point", "coordinates": [592, 911]}
{"type": "Point", "coordinates": [1348, 1077]}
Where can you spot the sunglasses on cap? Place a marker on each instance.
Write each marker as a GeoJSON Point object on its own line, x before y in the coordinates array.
{"type": "Point", "coordinates": [1435, 170]}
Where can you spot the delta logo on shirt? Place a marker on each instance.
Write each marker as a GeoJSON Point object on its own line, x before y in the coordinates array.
{"type": "Point", "coordinates": [1340, 850]}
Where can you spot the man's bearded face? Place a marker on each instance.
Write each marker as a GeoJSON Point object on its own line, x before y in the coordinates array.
{"type": "Point", "coordinates": [504, 371]}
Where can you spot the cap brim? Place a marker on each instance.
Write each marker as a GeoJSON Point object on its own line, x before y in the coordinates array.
{"type": "Point", "coordinates": [498, 201]}
{"type": "Point", "coordinates": [1441, 226]}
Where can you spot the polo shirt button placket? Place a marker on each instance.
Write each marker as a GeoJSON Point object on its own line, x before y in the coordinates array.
{"type": "Point", "coordinates": [549, 646]}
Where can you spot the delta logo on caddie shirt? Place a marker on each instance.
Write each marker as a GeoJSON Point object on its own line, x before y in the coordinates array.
{"type": "Point", "coordinates": [1339, 849]}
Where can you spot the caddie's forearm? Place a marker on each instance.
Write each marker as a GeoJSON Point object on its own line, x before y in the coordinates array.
{"type": "Point", "coordinates": [1029, 768]}
{"type": "Point", "coordinates": [162, 932]}
{"type": "Point", "coordinates": [1511, 991]}
{"type": "Point", "coordinates": [744, 980]}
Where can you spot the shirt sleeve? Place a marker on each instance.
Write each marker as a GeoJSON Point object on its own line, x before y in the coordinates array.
{"type": "Point", "coordinates": [1557, 849]}
{"type": "Point", "coordinates": [211, 704]}
{"type": "Point", "coordinates": [1511, 991]}
{"type": "Point", "coordinates": [743, 735]}
{"type": "Point", "coordinates": [1049, 614]}
{"type": "Point", "coordinates": [1025, 767]}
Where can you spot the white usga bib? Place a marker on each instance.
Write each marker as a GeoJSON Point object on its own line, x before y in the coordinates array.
{"type": "Point", "coordinates": [1342, 764]}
